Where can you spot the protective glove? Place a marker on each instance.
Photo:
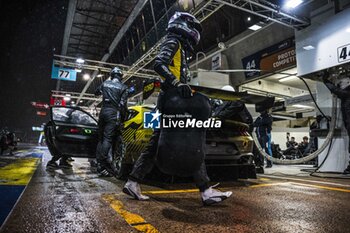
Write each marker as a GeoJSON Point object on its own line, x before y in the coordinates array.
{"type": "Point", "coordinates": [184, 90]}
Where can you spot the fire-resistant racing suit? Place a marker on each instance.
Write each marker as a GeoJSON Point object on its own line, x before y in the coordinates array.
{"type": "Point", "coordinates": [113, 113]}
{"type": "Point", "coordinates": [171, 65]}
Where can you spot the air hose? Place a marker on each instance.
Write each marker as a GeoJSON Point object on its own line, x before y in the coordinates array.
{"type": "Point", "coordinates": [311, 156]}
{"type": "Point", "coordinates": [329, 137]}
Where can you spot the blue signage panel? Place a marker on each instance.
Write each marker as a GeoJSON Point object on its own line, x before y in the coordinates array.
{"type": "Point", "coordinates": [63, 74]}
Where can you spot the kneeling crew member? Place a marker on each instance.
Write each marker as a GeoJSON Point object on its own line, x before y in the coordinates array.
{"type": "Point", "coordinates": [263, 129]}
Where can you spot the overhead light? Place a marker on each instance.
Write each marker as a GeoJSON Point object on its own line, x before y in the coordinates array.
{"type": "Point", "coordinates": [287, 79]}
{"type": "Point", "coordinates": [78, 70]}
{"type": "Point", "coordinates": [309, 47]}
{"type": "Point", "coordinates": [86, 77]}
{"type": "Point", "coordinates": [302, 106]}
{"type": "Point", "coordinates": [72, 102]}
{"type": "Point", "coordinates": [293, 3]}
{"type": "Point", "coordinates": [66, 98]}
{"type": "Point", "coordinates": [68, 95]}
{"type": "Point", "coordinates": [249, 18]}
{"type": "Point", "coordinates": [255, 27]}
{"type": "Point", "coordinates": [80, 101]}
{"type": "Point", "coordinates": [80, 60]}
{"type": "Point", "coordinates": [99, 75]}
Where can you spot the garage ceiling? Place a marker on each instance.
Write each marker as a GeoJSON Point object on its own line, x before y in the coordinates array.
{"type": "Point", "coordinates": [95, 24]}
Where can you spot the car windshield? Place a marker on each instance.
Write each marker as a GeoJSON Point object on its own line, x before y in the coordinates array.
{"type": "Point", "coordinates": [72, 116]}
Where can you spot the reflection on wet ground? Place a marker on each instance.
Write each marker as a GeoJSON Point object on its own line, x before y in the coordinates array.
{"type": "Point", "coordinates": [78, 200]}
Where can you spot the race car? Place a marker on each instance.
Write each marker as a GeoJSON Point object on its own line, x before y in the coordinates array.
{"type": "Point", "coordinates": [73, 132]}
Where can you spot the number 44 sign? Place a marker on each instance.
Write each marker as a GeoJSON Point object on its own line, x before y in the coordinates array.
{"type": "Point", "coordinates": [344, 53]}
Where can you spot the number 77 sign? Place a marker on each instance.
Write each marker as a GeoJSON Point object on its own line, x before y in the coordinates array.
{"type": "Point", "coordinates": [63, 73]}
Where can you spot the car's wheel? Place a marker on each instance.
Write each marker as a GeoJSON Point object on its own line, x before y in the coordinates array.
{"type": "Point", "coordinates": [120, 168]}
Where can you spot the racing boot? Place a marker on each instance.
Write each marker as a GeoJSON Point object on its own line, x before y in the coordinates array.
{"type": "Point", "coordinates": [52, 165]}
{"type": "Point", "coordinates": [133, 189]}
{"type": "Point", "coordinates": [104, 171]}
{"type": "Point", "coordinates": [347, 170]}
{"type": "Point", "coordinates": [65, 164]}
{"type": "Point", "coordinates": [212, 196]}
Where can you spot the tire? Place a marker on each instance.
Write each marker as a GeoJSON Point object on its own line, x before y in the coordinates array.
{"type": "Point", "coordinates": [120, 168]}
{"type": "Point", "coordinates": [122, 171]}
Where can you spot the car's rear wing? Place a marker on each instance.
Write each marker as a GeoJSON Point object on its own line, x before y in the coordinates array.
{"type": "Point", "coordinates": [153, 85]}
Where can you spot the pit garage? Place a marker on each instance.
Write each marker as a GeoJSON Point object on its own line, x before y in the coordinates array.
{"type": "Point", "coordinates": [266, 116]}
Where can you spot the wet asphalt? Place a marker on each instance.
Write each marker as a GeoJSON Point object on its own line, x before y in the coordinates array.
{"type": "Point", "coordinates": [78, 200]}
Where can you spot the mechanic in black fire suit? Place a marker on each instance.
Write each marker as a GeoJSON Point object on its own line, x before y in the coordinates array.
{"type": "Point", "coordinates": [171, 64]}
{"type": "Point", "coordinates": [263, 129]}
{"type": "Point", "coordinates": [342, 91]}
{"type": "Point", "coordinates": [113, 113]}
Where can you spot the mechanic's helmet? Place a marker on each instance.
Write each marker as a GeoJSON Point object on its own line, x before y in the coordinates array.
{"type": "Point", "coordinates": [228, 88]}
{"type": "Point", "coordinates": [116, 73]}
{"type": "Point", "coordinates": [186, 25]}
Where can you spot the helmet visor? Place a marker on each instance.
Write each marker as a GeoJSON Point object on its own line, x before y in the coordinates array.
{"type": "Point", "coordinates": [195, 25]}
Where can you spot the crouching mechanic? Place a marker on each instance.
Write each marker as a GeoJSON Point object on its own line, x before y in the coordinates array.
{"type": "Point", "coordinates": [113, 112]}
{"type": "Point", "coordinates": [342, 91]}
{"type": "Point", "coordinates": [171, 64]}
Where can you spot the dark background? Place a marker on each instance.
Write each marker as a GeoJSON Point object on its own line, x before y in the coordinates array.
{"type": "Point", "coordinates": [31, 32]}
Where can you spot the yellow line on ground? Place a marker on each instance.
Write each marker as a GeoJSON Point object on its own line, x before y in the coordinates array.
{"type": "Point", "coordinates": [323, 187]}
{"type": "Point", "coordinates": [266, 185]}
{"type": "Point", "coordinates": [134, 220]}
{"type": "Point", "coordinates": [306, 180]}
{"type": "Point", "coordinates": [264, 179]}
{"type": "Point", "coordinates": [171, 191]}
{"type": "Point", "coordinates": [252, 186]}
{"type": "Point", "coordinates": [196, 190]}
{"type": "Point", "coordinates": [19, 172]}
